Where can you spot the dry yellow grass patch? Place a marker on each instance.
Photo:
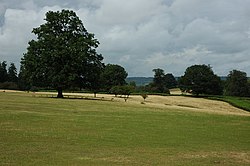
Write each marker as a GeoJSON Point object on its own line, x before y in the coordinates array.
{"type": "Point", "coordinates": [194, 104]}
{"type": "Point", "coordinates": [180, 102]}
{"type": "Point", "coordinates": [168, 102]}
{"type": "Point", "coordinates": [241, 158]}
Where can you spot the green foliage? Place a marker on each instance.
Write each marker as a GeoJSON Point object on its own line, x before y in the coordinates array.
{"type": "Point", "coordinates": [132, 83]}
{"type": "Point", "coordinates": [8, 79]}
{"type": "Point", "coordinates": [12, 73]}
{"type": "Point", "coordinates": [3, 72]}
{"type": "Point", "coordinates": [113, 75]}
{"type": "Point", "coordinates": [125, 90]}
{"type": "Point", "coordinates": [170, 81]}
{"type": "Point", "coordinates": [63, 54]}
{"type": "Point", "coordinates": [144, 96]}
{"type": "Point", "coordinates": [9, 85]}
{"type": "Point", "coordinates": [23, 80]}
{"type": "Point", "coordinates": [200, 79]}
{"type": "Point", "coordinates": [237, 84]}
{"type": "Point", "coordinates": [161, 82]}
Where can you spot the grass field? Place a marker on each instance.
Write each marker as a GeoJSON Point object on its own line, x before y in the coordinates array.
{"type": "Point", "coordinates": [49, 131]}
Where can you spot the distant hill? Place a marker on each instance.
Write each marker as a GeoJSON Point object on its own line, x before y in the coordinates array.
{"type": "Point", "coordinates": [140, 81]}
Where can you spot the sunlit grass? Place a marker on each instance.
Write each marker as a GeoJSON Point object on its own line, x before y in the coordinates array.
{"type": "Point", "coordinates": [49, 131]}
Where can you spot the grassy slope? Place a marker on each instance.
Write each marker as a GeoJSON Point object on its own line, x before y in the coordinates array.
{"type": "Point", "coordinates": [42, 131]}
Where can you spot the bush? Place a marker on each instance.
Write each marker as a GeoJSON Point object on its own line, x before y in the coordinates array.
{"type": "Point", "coordinates": [34, 89]}
{"type": "Point", "coordinates": [125, 90]}
{"type": "Point", "coordinates": [144, 96]}
{"type": "Point", "coordinates": [9, 85]}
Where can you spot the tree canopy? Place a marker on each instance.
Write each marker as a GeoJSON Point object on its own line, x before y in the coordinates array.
{"type": "Point", "coordinates": [237, 84]}
{"type": "Point", "coordinates": [3, 72]}
{"type": "Point", "coordinates": [159, 82]}
{"type": "Point", "coordinates": [63, 54]}
{"type": "Point", "coordinates": [200, 79]}
{"type": "Point", "coordinates": [12, 73]}
{"type": "Point", "coordinates": [162, 82]}
{"type": "Point", "coordinates": [113, 75]}
{"type": "Point", "coordinates": [170, 81]}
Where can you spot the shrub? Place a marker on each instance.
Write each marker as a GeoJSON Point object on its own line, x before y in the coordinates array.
{"type": "Point", "coordinates": [125, 90]}
{"type": "Point", "coordinates": [144, 96]}
{"type": "Point", "coordinates": [9, 85]}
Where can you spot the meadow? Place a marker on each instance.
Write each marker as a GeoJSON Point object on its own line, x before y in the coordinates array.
{"type": "Point", "coordinates": [161, 131]}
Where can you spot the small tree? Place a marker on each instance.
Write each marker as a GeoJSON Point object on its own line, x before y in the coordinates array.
{"type": "Point", "coordinates": [127, 90]}
{"type": "Point", "coordinates": [144, 96]}
{"type": "Point", "coordinates": [3, 72]}
{"type": "Point", "coordinates": [237, 84]}
{"type": "Point", "coordinates": [124, 90]}
{"type": "Point", "coordinates": [12, 73]}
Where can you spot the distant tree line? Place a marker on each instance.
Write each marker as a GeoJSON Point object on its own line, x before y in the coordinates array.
{"type": "Point", "coordinates": [8, 76]}
{"type": "Point", "coordinates": [64, 57]}
{"type": "Point", "coordinates": [197, 80]}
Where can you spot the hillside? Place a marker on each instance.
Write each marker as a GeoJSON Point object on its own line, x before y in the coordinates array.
{"type": "Point", "coordinates": [140, 80]}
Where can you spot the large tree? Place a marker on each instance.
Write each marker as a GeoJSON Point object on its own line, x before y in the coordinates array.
{"type": "Point", "coordinates": [113, 75]}
{"type": "Point", "coordinates": [64, 53]}
{"type": "Point", "coordinates": [237, 84]}
{"type": "Point", "coordinates": [200, 79]}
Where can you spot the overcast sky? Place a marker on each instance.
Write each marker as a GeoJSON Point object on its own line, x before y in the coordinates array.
{"type": "Point", "coordinates": [142, 35]}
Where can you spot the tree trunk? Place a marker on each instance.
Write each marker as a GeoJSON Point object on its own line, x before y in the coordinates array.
{"type": "Point", "coordinates": [94, 94]}
{"type": "Point", "coordinates": [60, 94]}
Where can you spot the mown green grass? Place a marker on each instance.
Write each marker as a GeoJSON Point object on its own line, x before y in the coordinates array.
{"type": "Point", "coordinates": [46, 131]}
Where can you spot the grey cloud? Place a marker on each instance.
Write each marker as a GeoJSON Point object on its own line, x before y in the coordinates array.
{"type": "Point", "coordinates": [144, 34]}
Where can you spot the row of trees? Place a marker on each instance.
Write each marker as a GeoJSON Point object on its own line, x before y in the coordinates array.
{"type": "Point", "coordinates": [64, 56]}
{"type": "Point", "coordinates": [200, 79]}
{"type": "Point", "coordinates": [8, 74]}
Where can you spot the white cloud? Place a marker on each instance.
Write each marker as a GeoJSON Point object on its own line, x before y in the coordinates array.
{"type": "Point", "coordinates": [16, 32]}
{"type": "Point", "coordinates": [144, 34]}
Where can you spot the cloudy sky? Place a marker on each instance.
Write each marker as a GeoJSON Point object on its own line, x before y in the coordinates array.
{"type": "Point", "coordinates": [142, 35]}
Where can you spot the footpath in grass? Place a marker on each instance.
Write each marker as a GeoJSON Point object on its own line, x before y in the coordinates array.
{"type": "Point", "coordinates": [48, 131]}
